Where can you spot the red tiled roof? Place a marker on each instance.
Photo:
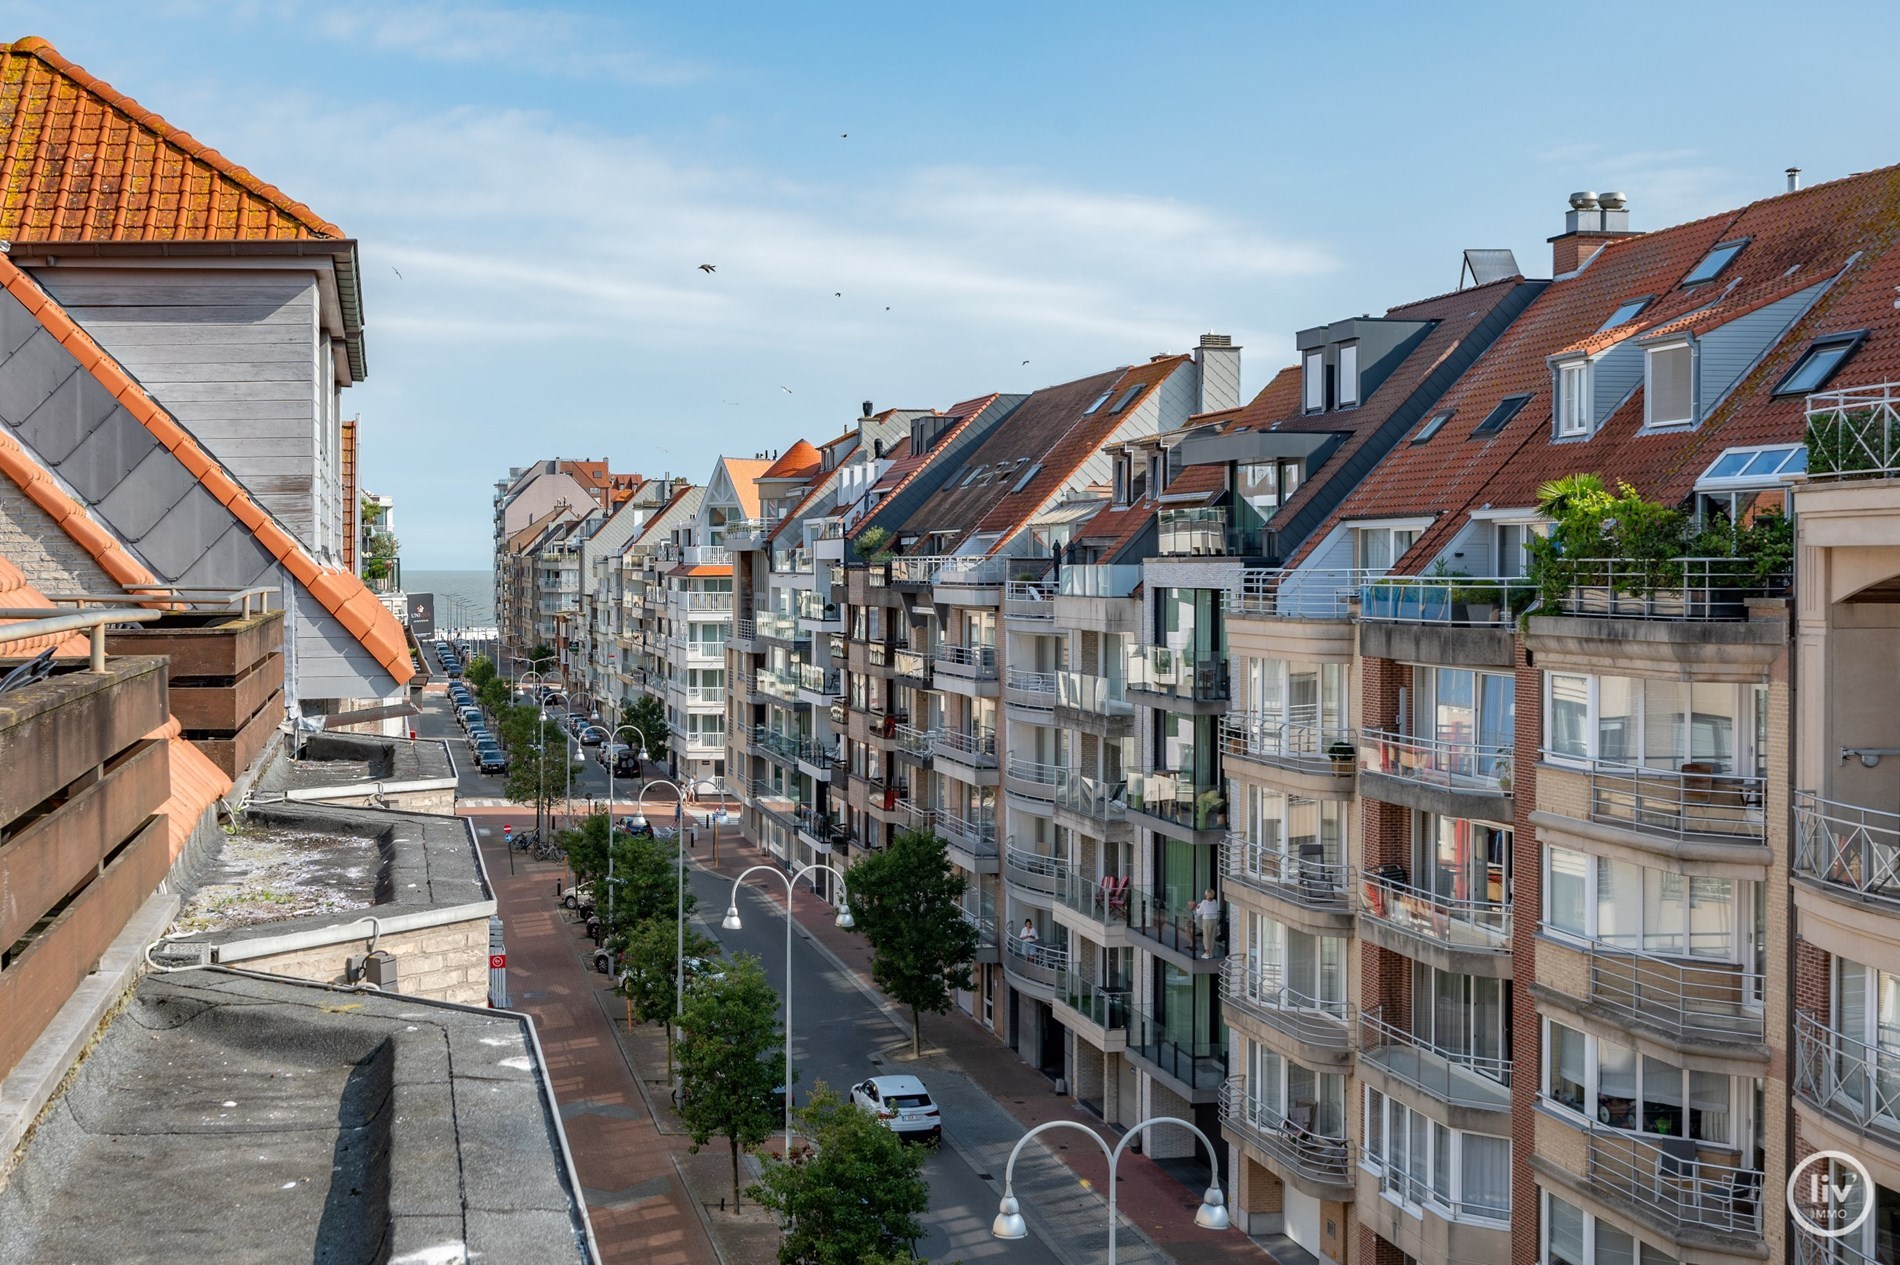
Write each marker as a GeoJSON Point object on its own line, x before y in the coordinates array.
{"type": "Point", "coordinates": [340, 592]}
{"type": "Point", "coordinates": [796, 462]}
{"type": "Point", "coordinates": [906, 468]}
{"type": "Point", "coordinates": [86, 163]}
{"type": "Point", "coordinates": [1795, 240]}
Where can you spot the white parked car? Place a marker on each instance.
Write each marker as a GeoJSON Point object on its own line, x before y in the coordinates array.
{"type": "Point", "coordinates": [902, 1104]}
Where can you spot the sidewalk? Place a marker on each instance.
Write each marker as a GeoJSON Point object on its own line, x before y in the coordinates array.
{"type": "Point", "coordinates": [1148, 1197]}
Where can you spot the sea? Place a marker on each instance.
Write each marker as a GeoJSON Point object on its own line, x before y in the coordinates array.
{"type": "Point", "coordinates": [463, 599]}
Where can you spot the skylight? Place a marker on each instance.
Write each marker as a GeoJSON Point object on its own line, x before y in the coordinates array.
{"type": "Point", "coordinates": [1501, 415]}
{"type": "Point", "coordinates": [1128, 397]}
{"type": "Point", "coordinates": [1433, 425]}
{"type": "Point", "coordinates": [1099, 401]}
{"type": "Point", "coordinates": [1761, 465]}
{"type": "Point", "coordinates": [1713, 262]}
{"type": "Point", "coordinates": [1818, 363]}
{"type": "Point", "coordinates": [1028, 474]}
{"type": "Point", "coordinates": [970, 478]}
{"type": "Point", "coordinates": [1624, 314]}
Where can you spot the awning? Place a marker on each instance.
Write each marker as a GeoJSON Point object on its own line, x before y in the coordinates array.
{"type": "Point", "coordinates": [388, 711]}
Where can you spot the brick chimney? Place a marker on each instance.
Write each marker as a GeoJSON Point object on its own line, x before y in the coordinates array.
{"type": "Point", "coordinates": [1592, 222]}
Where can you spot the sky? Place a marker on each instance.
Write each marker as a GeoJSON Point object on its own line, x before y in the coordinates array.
{"type": "Point", "coordinates": [916, 204]}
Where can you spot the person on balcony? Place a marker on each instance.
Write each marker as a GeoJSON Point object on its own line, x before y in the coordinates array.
{"type": "Point", "coordinates": [1029, 940]}
{"type": "Point", "coordinates": [1207, 914]}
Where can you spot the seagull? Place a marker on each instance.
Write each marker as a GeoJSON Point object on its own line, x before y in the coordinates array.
{"type": "Point", "coordinates": [838, 294]}
{"type": "Point", "coordinates": [787, 390]}
{"type": "Point", "coordinates": [708, 267]}
{"type": "Point", "coordinates": [1025, 362]}
{"type": "Point", "coordinates": [393, 268]}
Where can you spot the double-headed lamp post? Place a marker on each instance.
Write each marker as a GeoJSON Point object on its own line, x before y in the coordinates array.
{"type": "Point", "coordinates": [540, 740]}
{"type": "Point", "coordinates": [679, 836]}
{"type": "Point", "coordinates": [599, 729]}
{"type": "Point", "coordinates": [732, 923]}
{"type": "Point", "coordinates": [1211, 1215]}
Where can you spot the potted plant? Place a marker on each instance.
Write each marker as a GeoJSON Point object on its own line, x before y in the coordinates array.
{"type": "Point", "coordinates": [1344, 757]}
{"type": "Point", "coordinates": [1208, 806]}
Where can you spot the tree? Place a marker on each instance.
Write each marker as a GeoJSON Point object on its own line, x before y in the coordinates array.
{"type": "Point", "coordinates": [538, 767]}
{"type": "Point", "coordinates": [730, 1055]}
{"type": "Point", "coordinates": [649, 951]}
{"type": "Point", "coordinates": [908, 902]}
{"type": "Point", "coordinates": [646, 882]}
{"type": "Point", "coordinates": [481, 670]}
{"type": "Point", "coordinates": [493, 696]}
{"type": "Point", "coordinates": [648, 715]}
{"type": "Point", "coordinates": [854, 1196]}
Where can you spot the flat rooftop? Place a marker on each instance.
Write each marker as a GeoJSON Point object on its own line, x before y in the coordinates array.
{"type": "Point", "coordinates": [229, 1117]}
{"type": "Point", "coordinates": [356, 760]}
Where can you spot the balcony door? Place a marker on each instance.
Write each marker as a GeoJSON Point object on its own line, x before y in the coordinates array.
{"type": "Point", "coordinates": [1867, 1041]}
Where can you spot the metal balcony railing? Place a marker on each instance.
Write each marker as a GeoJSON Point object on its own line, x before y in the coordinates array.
{"type": "Point", "coordinates": [1847, 1077]}
{"type": "Point", "coordinates": [1259, 989]}
{"type": "Point", "coordinates": [966, 661]}
{"type": "Point", "coordinates": [1096, 695]}
{"type": "Point", "coordinates": [917, 817]}
{"type": "Point", "coordinates": [1293, 739]}
{"type": "Point", "coordinates": [1034, 779]}
{"type": "Point", "coordinates": [1105, 1007]}
{"type": "Point", "coordinates": [921, 743]}
{"type": "Point", "coordinates": [1480, 767]}
{"type": "Point", "coordinates": [1036, 871]}
{"type": "Point", "coordinates": [704, 601]}
{"type": "Point", "coordinates": [1292, 1142]}
{"type": "Point", "coordinates": [1460, 601]}
{"type": "Point", "coordinates": [1301, 874]}
{"type": "Point", "coordinates": [1178, 798]}
{"type": "Point", "coordinates": [1693, 800]}
{"type": "Point", "coordinates": [776, 685]}
{"type": "Point", "coordinates": [1854, 433]}
{"type": "Point", "coordinates": [1680, 588]}
{"type": "Point", "coordinates": [1463, 1078]}
{"type": "Point", "coordinates": [975, 834]}
{"type": "Point", "coordinates": [1317, 593]}
{"type": "Point", "coordinates": [1177, 673]}
{"type": "Point", "coordinates": [1812, 1249]}
{"type": "Point", "coordinates": [973, 570]}
{"type": "Point", "coordinates": [911, 665]}
{"type": "Point", "coordinates": [1698, 1000]}
{"type": "Point", "coordinates": [1032, 600]}
{"type": "Point", "coordinates": [975, 747]}
{"type": "Point", "coordinates": [1033, 960]}
{"type": "Point", "coordinates": [1854, 850]}
{"type": "Point", "coordinates": [1460, 923]}
{"type": "Point", "coordinates": [1668, 1180]}
{"type": "Point", "coordinates": [979, 910]}
{"type": "Point", "coordinates": [1025, 688]}
{"type": "Point", "coordinates": [746, 533]}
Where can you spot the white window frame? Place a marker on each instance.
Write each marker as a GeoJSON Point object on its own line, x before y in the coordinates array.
{"type": "Point", "coordinates": [1741, 1127]}
{"type": "Point", "coordinates": [1645, 1253]}
{"type": "Point", "coordinates": [1313, 381]}
{"type": "Point", "coordinates": [1575, 416]}
{"type": "Point", "coordinates": [1744, 718]}
{"type": "Point", "coordinates": [1746, 896]}
{"type": "Point", "coordinates": [1377, 1160]}
{"type": "Point", "coordinates": [1650, 420]}
{"type": "Point", "coordinates": [1346, 376]}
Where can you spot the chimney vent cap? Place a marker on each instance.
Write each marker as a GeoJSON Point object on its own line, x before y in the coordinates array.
{"type": "Point", "coordinates": [1584, 200]}
{"type": "Point", "coordinates": [1614, 201]}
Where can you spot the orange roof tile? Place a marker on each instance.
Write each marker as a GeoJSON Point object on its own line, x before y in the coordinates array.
{"type": "Point", "coordinates": [346, 598]}
{"type": "Point", "coordinates": [744, 472]}
{"type": "Point", "coordinates": [796, 462]}
{"type": "Point", "coordinates": [84, 162]}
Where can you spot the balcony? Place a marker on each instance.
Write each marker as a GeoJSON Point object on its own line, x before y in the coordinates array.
{"type": "Point", "coordinates": [1032, 779]}
{"type": "Point", "coordinates": [1849, 850]}
{"type": "Point", "coordinates": [704, 603]}
{"type": "Point", "coordinates": [1696, 589]}
{"type": "Point", "coordinates": [1462, 1078]}
{"type": "Point", "coordinates": [1030, 601]}
{"type": "Point", "coordinates": [706, 556]}
{"type": "Point", "coordinates": [782, 628]}
{"type": "Point", "coordinates": [817, 614]}
{"type": "Point", "coordinates": [1701, 1002]}
{"type": "Point", "coordinates": [1033, 690]}
{"type": "Point", "coordinates": [979, 910]}
{"type": "Point", "coordinates": [915, 816]}
{"type": "Point", "coordinates": [1035, 964]}
{"type": "Point", "coordinates": [1318, 593]}
{"type": "Point", "coordinates": [979, 572]}
{"type": "Point", "coordinates": [1103, 1008]}
{"type": "Point", "coordinates": [1164, 917]}
{"type": "Point", "coordinates": [1196, 1063]}
{"type": "Point", "coordinates": [1693, 802]}
{"type": "Point", "coordinates": [1100, 803]}
{"type": "Point", "coordinates": [917, 744]}
{"type": "Point", "coordinates": [1035, 871]}
{"type": "Point", "coordinates": [1466, 768]}
{"type": "Point", "coordinates": [745, 535]}
{"type": "Point", "coordinates": [818, 683]}
{"type": "Point", "coordinates": [1103, 901]}
{"type": "Point", "coordinates": [913, 667]}
{"type": "Point", "coordinates": [974, 748]}
{"type": "Point", "coordinates": [1854, 434]}
{"type": "Point", "coordinates": [1177, 804]}
{"type": "Point", "coordinates": [784, 747]}
{"type": "Point", "coordinates": [1102, 581]}
{"type": "Point", "coordinates": [974, 836]}
{"type": "Point", "coordinates": [971, 663]}
{"type": "Point", "coordinates": [1454, 602]}
{"type": "Point", "coordinates": [1303, 877]}
{"type": "Point", "coordinates": [1292, 1144]}
{"type": "Point", "coordinates": [817, 757]}
{"type": "Point", "coordinates": [1204, 532]}
{"type": "Point", "coordinates": [1482, 926]}
{"type": "Point", "coordinates": [775, 686]}
{"type": "Point", "coordinates": [1670, 1186]}
{"type": "Point", "coordinates": [1847, 1078]}
{"type": "Point", "coordinates": [1177, 674]}
{"type": "Point", "coordinates": [1259, 989]}
{"type": "Point", "coordinates": [798, 560]}
{"type": "Point", "coordinates": [1292, 740]}
{"type": "Point", "coordinates": [1091, 695]}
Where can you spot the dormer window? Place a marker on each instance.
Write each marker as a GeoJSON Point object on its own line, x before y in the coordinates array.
{"type": "Point", "coordinates": [1123, 479]}
{"type": "Point", "coordinates": [1818, 363]}
{"type": "Point", "coordinates": [1669, 386]}
{"type": "Point", "coordinates": [1348, 375]}
{"type": "Point", "coordinates": [1314, 382]}
{"type": "Point", "coordinates": [1712, 263]}
{"type": "Point", "coordinates": [1574, 415]}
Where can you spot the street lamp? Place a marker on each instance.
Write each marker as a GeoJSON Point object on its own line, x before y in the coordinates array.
{"type": "Point", "coordinates": [540, 740]}
{"type": "Point", "coordinates": [585, 730]}
{"type": "Point", "coordinates": [732, 923]}
{"type": "Point", "coordinates": [1009, 1224]}
{"type": "Point", "coordinates": [679, 877]}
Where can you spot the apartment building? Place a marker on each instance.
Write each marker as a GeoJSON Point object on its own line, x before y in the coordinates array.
{"type": "Point", "coordinates": [528, 506]}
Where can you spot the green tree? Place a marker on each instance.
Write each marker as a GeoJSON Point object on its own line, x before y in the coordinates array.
{"type": "Point", "coordinates": [649, 951]}
{"type": "Point", "coordinates": [908, 902]}
{"type": "Point", "coordinates": [648, 715]}
{"type": "Point", "coordinates": [493, 696]}
{"type": "Point", "coordinates": [539, 768]}
{"type": "Point", "coordinates": [646, 882]}
{"type": "Point", "coordinates": [481, 670]}
{"type": "Point", "coordinates": [854, 1196]}
{"type": "Point", "coordinates": [731, 1051]}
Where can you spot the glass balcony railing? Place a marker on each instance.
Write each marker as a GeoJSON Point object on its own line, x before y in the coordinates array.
{"type": "Point", "coordinates": [817, 679]}
{"type": "Point", "coordinates": [1385, 896]}
{"type": "Point", "coordinates": [1463, 601]}
{"type": "Point", "coordinates": [1095, 695]}
{"type": "Point", "coordinates": [1105, 1007]}
{"type": "Point", "coordinates": [979, 910]}
{"type": "Point", "coordinates": [1177, 798]}
{"type": "Point", "coordinates": [1032, 960]}
{"type": "Point", "coordinates": [1102, 580]}
{"type": "Point", "coordinates": [1177, 673]}
{"type": "Point", "coordinates": [1480, 767]}
{"type": "Point", "coordinates": [974, 833]}
{"type": "Point", "coordinates": [1178, 1051]}
{"type": "Point", "coordinates": [1032, 600]}
{"type": "Point", "coordinates": [1101, 801]}
{"type": "Point", "coordinates": [1203, 532]}
{"type": "Point", "coordinates": [911, 665]}
{"type": "Point", "coordinates": [921, 743]}
{"type": "Point", "coordinates": [1167, 916]}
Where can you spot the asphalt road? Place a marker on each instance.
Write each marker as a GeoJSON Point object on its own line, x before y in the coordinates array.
{"type": "Point", "coordinates": [840, 1038]}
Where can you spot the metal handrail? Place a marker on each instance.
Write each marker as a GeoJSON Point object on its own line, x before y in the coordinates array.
{"type": "Point", "coordinates": [1849, 1078]}
{"type": "Point", "coordinates": [1854, 433]}
{"type": "Point", "coordinates": [1691, 800]}
{"type": "Point", "coordinates": [1463, 923]}
{"type": "Point", "coordinates": [1308, 878]}
{"type": "Point", "coordinates": [1040, 962]}
{"type": "Point", "coordinates": [1375, 1032]}
{"type": "Point", "coordinates": [1466, 766]}
{"type": "Point", "coordinates": [973, 834]}
{"type": "Point", "coordinates": [1313, 1155]}
{"type": "Point", "coordinates": [1674, 1185]}
{"type": "Point", "coordinates": [1687, 588]}
{"type": "Point", "coordinates": [1697, 999]}
{"type": "Point", "coordinates": [174, 596]}
{"type": "Point", "coordinates": [1292, 739]}
{"type": "Point", "coordinates": [37, 623]}
{"type": "Point", "coordinates": [976, 744]}
{"type": "Point", "coordinates": [1035, 870]}
{"type": "Point", "coordinates": [1030, 599]}
{"type": "Point", "coordinates": [1022, 769]}
{"type": "Point", "coordinates": [980, 659]}
{"type": "Point", "coordinates": [1260, 989]}
{"type": "Point", "coordinates": [1040, 686]}
{"type": "Point", "coordinates": [1847, 847]}
{"type": "Point", "coordinates": [1298, 593]}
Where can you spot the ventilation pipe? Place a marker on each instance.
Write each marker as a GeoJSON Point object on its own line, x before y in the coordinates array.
{"type": "Point", "coordinates": [1794, 179]}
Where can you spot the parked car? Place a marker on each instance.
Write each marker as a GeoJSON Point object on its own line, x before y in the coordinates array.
{"type": "Point", "coordinates": [470, 716]}
{"type": "Point", "coordinates": [902, 1104]}
{"type": "Point", "coordinates": [491, 760]}
{"type": "Point", "coordinates": [592, 735]}
{"type": "Point", "coordinates": [554, 698]}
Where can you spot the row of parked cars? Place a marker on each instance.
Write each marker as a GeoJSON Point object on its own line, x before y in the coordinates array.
{"type": "Point", "coordinates": [484, 745]}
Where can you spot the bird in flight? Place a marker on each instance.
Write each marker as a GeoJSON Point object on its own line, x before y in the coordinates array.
{"type": "Point", "coordinates": [838, 295]}
{"type": "Point", "coordinates": [787, 390]}
{"type": "Point", "coordinates": [393, 268]}
{"type": "Point", "coordinates": [1025, 362]}
{"type": "Point", "coordinates": [708, 267]}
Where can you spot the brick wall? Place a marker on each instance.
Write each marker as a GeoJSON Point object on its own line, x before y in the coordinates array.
{"type": "Point", "coordinates": [49, 558]}
{"type": "Point", "coordinates": [447, 963]}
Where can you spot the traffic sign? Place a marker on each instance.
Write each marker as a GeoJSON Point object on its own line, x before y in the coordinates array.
{"type": "Point", "coordinates": [497, 961]}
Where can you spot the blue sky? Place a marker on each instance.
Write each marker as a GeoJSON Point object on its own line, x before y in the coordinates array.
{"type": "Point", "coordinates": [906, 202]}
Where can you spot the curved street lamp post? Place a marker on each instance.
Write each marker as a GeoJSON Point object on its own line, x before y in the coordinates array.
{"type": "Point", "coordinates": [732, 923]}
{"type": "Point", "coordinates": [679, 883]}
{"type": "Point", "coordinates": [1211, 1215]}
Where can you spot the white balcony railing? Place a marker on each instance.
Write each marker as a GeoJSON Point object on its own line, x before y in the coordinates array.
{"type": "Point", "coordinates": [1316, 593]}
{"type": "Point", "coordinates": [1482, 767]}
{"type": "Point", "coordinates": [1854, 433]}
